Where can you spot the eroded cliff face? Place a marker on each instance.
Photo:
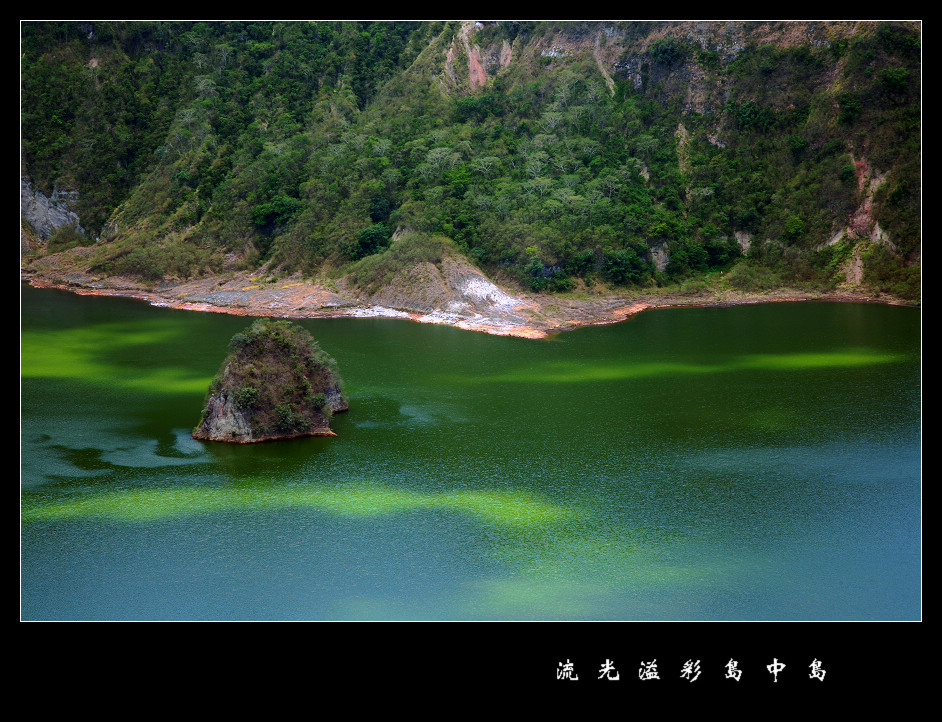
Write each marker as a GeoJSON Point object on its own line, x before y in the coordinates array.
{"type": "Point", "coordinates": [620, 51]}
{"type": "Point", "coordinates": [862, 229]}
{"type": "Point", "coordinates": [45, 214]}
{"type": "Point", "coordinates": [224, 420]}
{"type": "Point", "coordinates": [275, 384]}
{"type": "Point", "coordinates": [453, 291]}
{"type": "Point", "coordinates": [693, 80]}
{"type": "Point", "coordinates": [467, 64]}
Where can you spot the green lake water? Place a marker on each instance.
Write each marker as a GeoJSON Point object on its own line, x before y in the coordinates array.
{"type": "Point", "coordinates": [750, 463]}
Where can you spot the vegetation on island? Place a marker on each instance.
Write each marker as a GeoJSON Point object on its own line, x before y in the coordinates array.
{"type": "Point", "coordinates": [199, 147]}
{"type": "Point", "coordinates": [277, 381]}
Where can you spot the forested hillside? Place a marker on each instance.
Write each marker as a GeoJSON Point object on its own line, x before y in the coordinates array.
{"type": "Point", "coordinates": [553, 155]}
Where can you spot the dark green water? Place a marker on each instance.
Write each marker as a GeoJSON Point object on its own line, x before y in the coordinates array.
{"type": "Point", "coordinates": [749, 463]}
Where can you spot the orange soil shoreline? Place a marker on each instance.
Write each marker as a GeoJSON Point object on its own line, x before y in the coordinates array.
{"type": "Point", "coordinates": [603, 317]}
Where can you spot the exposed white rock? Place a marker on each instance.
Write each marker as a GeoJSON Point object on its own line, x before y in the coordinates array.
{"type": "Point", "coordinates": [480, 288]}
{"type": "Point", "coordinates": [377, 311]}
{"type": "Point", "coordinates": [836, 238]}
{"type": "Point", "coordinates": [660, 256]}
{"type": "Point", "coordinates": [46, 214]}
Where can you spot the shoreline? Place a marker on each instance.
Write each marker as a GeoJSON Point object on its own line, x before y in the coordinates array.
{"type": "Point", "coordinates": [544, 320]}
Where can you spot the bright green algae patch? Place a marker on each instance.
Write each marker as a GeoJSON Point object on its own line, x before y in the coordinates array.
{"type": "Point", "coordinates": [837, 359]}
{"type": "Point", "coordinates": [98, 354]}
{"type": "Point", "coordinates": [499, 508]}
{"type": "Point", "coordinates": [586, 371]}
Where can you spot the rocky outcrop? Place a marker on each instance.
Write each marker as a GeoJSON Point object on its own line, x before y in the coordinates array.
{"type": "Point", "coordinates": [862, 229]}
{"type": "Point", "coordinates": [660, 256]}
{"type": "Point", "coordinates": [223, 420]}
{"type": "Point", "coordinates": [276, 383]}
{"type": "Point", "coordinates": [45, 214]}
{"type": "Point", "coordinates": [481, 63]}
{"type": "Point", "coordinates": [453, 292]}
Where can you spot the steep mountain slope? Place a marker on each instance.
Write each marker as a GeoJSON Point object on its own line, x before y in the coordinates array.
{"type": "Point", "coordinates": [556, 157]}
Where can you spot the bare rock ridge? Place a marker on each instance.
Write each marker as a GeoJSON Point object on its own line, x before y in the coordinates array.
{"type": "Point", "coordinates": [46, 214]}
{"type": "Point", "coordinates": [451, 292]}
{"type": "Point", "coordinates": [276, 383]}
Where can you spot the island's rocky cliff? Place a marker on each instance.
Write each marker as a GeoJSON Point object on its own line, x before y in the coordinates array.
{"type": "Point", "coordinates": [276, 383]}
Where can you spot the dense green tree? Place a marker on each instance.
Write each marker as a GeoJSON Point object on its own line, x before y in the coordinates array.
{"type": "Point", "coordinates": [311, 142]}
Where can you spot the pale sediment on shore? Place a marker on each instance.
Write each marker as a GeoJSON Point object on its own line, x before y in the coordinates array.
{"type": "Point", "coordinates": [483, 307]}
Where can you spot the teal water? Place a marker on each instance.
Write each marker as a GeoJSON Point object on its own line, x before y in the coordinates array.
{"type": "Point", "coordinates": [749, 463]}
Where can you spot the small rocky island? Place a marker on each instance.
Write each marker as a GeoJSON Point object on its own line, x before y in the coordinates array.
{"type": "Point", "coordinates": [276, 383]}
